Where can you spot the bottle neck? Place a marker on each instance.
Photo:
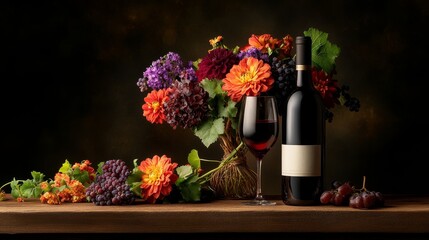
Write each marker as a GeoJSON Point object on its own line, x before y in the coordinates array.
{"type": "Point", "coordinates": [304, 78]}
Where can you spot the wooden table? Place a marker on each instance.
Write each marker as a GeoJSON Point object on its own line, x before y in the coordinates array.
{"type": "Point", "coordinates": [402, 216]}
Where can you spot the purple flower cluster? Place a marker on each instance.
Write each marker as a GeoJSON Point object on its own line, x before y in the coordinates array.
{"type": "Point", "coordinates": [254, 52]}
{"type": "Point", "coordinates": [188, 73]}
{"type": "Point", "coordinates": [187, 105]}
{"type": "Point", "coordinates": [164, 71]}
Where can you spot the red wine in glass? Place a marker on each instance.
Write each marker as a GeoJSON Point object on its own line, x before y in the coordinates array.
{"type": "Point", "coordinates": [260, 137]}
{"type": "Point", "coordinates": [259, 129]}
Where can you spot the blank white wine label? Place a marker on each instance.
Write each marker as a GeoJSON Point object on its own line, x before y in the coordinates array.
{"type": "Point", "coordinates": [301, 160]}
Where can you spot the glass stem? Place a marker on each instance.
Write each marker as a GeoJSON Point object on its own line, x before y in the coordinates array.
{"type": "Point", "coordinates": [258, 180]}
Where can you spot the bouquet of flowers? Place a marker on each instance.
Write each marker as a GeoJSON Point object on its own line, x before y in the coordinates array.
{"type": "Point", "coordinates": [204, 95]}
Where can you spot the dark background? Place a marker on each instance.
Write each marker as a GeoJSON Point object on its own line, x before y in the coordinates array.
{"type": "Point", "coordinates": [69, 71]}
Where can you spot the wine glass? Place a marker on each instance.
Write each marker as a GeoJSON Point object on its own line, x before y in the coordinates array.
{"type": "Point", "coordinates": [259, 129]}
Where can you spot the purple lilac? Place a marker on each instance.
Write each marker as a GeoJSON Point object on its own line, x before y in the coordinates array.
{"type": "Point", "coordinates": [163, 71]}
{"type": "Point", "coordinates": [253, 52]}
{"type": "Point", "coordinates": [188, 72]}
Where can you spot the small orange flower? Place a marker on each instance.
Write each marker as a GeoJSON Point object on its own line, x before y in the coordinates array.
{"type": "Point", "coordinates": [158, 178]}
{"type": "Point", "coordinates": [45, 186]}
{"type": "Point", "coordinates": [264, 42]}
{"type": "Point", "coordinates": [250, 77]}
{"type": "Point", "coordinates": [61, 179]}
{"type": "Point", "coordinates": [50, 198]}
{"type": "Point", "coordinates": [85, 165]}
{"type": "Point", "coordinates": [77, 191]}
{"type": "Point", "coordinates": [286, 46]}
{"type": "Point", "coordinates": [215, 42]}
{"type": "Point", "coordinates": [153, 108]}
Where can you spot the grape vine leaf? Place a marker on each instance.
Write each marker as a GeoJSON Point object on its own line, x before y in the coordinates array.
{"type": "Point", "coordinates": [212, 87]}
{"type": "Point", "coordinates": [323, 52]}
{"type": "Point", "coordinates": [210, 130]}
{"type": "Point", "coordinates": [228, 111]}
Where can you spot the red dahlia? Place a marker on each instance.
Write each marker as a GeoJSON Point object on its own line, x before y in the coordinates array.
{"type": "Point", "coordinates": [216, 64]}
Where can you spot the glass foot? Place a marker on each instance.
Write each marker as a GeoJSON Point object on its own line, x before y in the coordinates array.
{"type": "Point", "coordinates": [256, 202]}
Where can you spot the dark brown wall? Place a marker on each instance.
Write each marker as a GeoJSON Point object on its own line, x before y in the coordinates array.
{"type": "Point", "coordinates": [69, 71]}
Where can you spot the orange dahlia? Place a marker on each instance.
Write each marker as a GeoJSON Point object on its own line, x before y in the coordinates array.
{"type": "Point", "coordinates": [250, 77]}
{"type": "Point", "coordinates": [264, 42]}
{"type": "Point", "coordinates": [158, 178]}
{"type": "Point", "coordinates": [153, 108]}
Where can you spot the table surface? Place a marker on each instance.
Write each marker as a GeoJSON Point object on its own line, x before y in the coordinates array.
{"type": "Point", "coordinates": [401, 214]}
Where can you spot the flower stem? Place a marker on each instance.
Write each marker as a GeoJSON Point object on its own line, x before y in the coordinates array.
{"type": "Point", "coordinates": [208, 160]}
{"type": "Point", "coordinates": [204, 178]}
{"type": "Point", "coordinates": [4, 185]}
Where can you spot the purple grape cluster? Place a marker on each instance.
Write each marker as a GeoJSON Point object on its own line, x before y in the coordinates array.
{"type": "Point", "coordinates": [284, 74]}
{"type": "Point", "coordinates": [345, 194]}
{"type": "Point", "coordinates": [110, 187]}
{"type": "Point", "coordinates": [366, 199]}
{"type": "Point", "coordinates": [338, 196]}
{"type": "Point", "coordinates": [352, 103]}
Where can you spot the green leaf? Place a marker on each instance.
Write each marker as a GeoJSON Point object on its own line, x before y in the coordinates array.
{"type": "Point", "coordinates": [58, 189]}
{"type": "Point", "coordinates": [81, 176]}
{"type": "Point", "coordinates": [135, 188]}
{"type": "Point", "coordinates": [323, 52]}
{"type": "Point", "coordinates": [228, 111]}
{"type": "Point", "coordinates": [212, 86]}
{"type": "Point", "coordinates": [15, 188]}
{"type": "Point", "coordinates": [183, 172]}
{"type": "Point", "coordinates": [191, 191]}
{"type": "Point", "coordinates": [37, 191]}
{"type": "Point", "coordinates": [135, 163]}
{"type": "Point", "coordinates": [27, 189]}
{"type": "Point", "coordinates": [194, 159]}
{"type": "Point", "coordinates": [196, 63]}
{"type": "Point", "coordinates": [37, 176]}
{"type": "Point", "coordinates": [134, 180]}
{"type": "Point", "coordinates": [135, 176]}
{"type": "Point", "coordinates": [100, 168]}
{"type": "Point", "coordinates": [210, 130]}
{"type": "Point", "coordinates": [236, 50]}
{"type": "Point", "coordinates": [65, 167]}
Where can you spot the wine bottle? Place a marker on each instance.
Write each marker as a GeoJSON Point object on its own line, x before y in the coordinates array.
{"type": "Point", "coordinates": [303, 135]}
